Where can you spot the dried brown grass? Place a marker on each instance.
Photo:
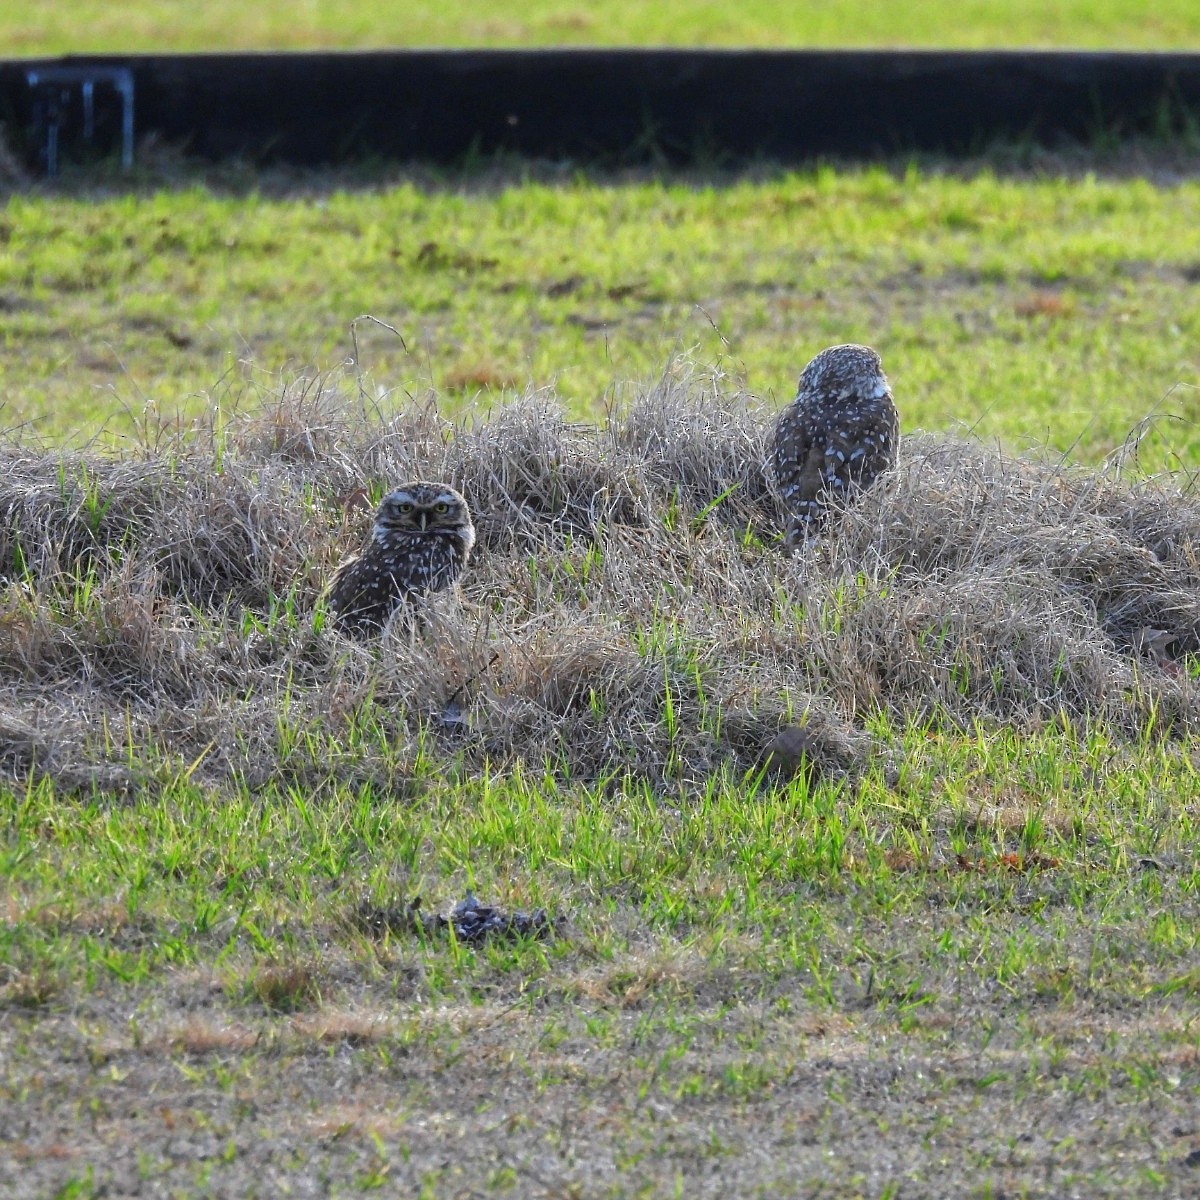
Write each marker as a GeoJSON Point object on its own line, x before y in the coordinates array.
{"type": "Point", "coordinates": [628, 610]}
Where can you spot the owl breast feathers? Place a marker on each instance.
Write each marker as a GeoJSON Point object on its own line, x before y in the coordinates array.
{"type": "Point", "coordinates": [419, 544]}
{"type": "Point", "coordinates": [839, 434]}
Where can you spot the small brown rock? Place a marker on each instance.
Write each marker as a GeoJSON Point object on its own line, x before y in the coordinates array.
{"type": "Point", "coordinates": [791, 752]}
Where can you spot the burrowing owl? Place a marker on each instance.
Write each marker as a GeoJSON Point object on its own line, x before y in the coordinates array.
{"type": "Point", "coordinates": [420, 542]}
{"type": "Point", "coordinates": [836, 437]}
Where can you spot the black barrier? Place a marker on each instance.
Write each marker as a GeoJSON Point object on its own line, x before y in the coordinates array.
{"type": "Point", "coordinates": [624, 106]}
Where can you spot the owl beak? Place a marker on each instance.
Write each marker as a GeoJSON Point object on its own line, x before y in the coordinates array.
{"type": "Point", "coordinates": [424, 519]}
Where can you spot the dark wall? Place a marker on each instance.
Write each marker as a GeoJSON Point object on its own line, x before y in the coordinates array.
{"type": "Point", "coordinates": [629, 105]}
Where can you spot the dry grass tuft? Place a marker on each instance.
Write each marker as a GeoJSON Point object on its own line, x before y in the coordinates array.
{"type": "Point", "coordinates": [287, 986]}
{"type": "Point", "coordinates": [350, 1028]}
{"type": "Point", "coordinates": [1045, 304]}
{"type": "Point", "coordinates": [680, 971]}
{"type": "Point", "coordinates": [627, 611]}
{"type": "Point", "coordinates": [32, 989]}
{"type": "Point", "coordinates": [202, 1036]}
{"type": "Point", "coordinates": [479, 376]}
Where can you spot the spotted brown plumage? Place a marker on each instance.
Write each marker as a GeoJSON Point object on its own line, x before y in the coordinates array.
{"type": "Point", "coordinates": [839, 434]}
{"type": "Point", "coordinates": [419, 544]}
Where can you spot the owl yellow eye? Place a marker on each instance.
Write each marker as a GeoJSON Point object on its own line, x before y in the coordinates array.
{"type": "Point", "coordinates": [405, 508]}
{"type": "Point", "coordinates": [441, 508]}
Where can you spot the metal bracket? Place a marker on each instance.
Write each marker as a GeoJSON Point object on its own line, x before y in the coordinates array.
{"type": "Point", "coordinates": [52, 87]}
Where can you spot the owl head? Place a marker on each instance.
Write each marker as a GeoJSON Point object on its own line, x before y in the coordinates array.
{"type": "Point", "coordinates": [844, 373]}
{"type": "Point", "coordinates": [423, 509]}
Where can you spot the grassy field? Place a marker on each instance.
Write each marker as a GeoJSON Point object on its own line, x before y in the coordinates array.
{"type": "Point", "coordinates": [954, 952]}
{"type": "Point", "coordinates": [955, 956]}
{"type": "Point", "coordinates": [1050, 310]}
{"type": "Point", "coordinates": [74, 26]}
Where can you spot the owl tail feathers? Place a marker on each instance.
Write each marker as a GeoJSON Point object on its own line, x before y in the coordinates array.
{"type": "Point", "coordinates": [803, 527]}
{"type": "Point", "coordinates": [798, 537]}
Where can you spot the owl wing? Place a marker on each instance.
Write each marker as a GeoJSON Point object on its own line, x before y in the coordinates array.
{"type": "Point", "coordinates": [358, 597]}
{"type": "Point", "coordinates": [791, 453]}
{"type": "Point", "coordinates": [340, 588]}
{"type": "Point", "coordinates": [872, 449]}
{"type": "Point", "coordinates": [797, 460]}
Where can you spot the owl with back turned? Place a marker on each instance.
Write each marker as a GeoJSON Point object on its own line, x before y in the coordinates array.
{"type": "Point", "coordinates": [839, 434]}
{"type": "Point", "coordinates": [419, 544]}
